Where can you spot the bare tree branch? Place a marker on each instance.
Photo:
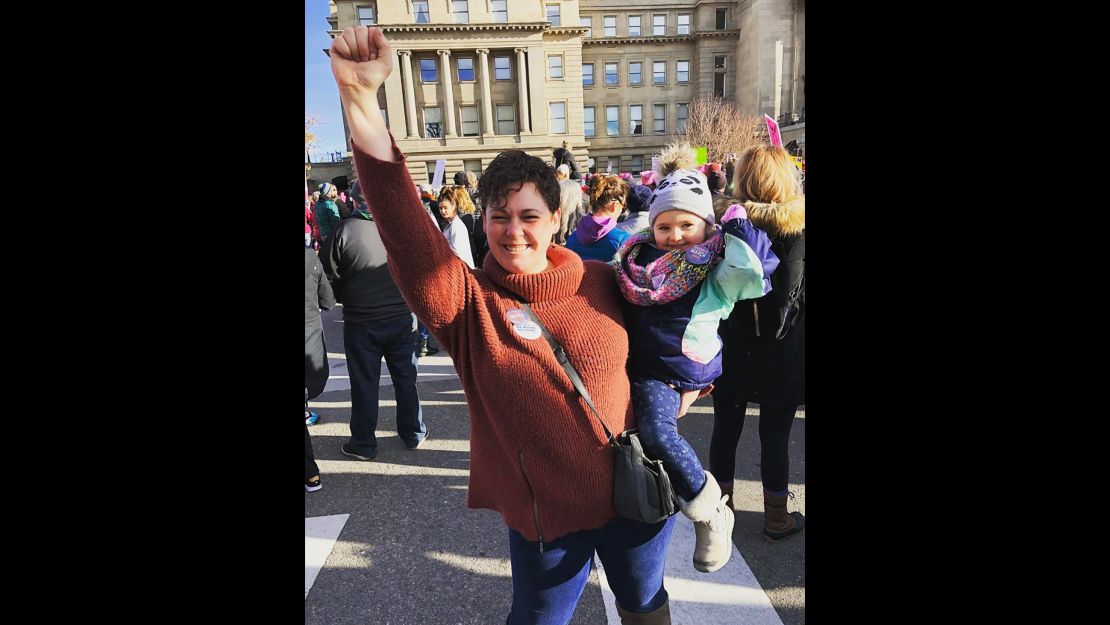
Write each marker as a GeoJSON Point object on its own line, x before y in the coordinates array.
{"type": "Point", "coordinates": [720, 127]}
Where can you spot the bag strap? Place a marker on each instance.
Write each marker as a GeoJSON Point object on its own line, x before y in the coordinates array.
{"type": "Point", "coordinates": [564, 360]}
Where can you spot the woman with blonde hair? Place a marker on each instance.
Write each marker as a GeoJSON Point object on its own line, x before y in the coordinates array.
{"type": "Point", "coordinates": [764, 340]}
{"type": "Point", "coordinates": [597, 236]}
{"type": "Point", "coordinates": [453, 202]}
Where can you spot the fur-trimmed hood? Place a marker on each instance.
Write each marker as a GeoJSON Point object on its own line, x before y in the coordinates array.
{"type": "Point", "coordinates": [779, 219]}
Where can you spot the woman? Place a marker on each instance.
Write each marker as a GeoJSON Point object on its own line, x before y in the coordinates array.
{"type": "Point", "coordinates": [537, 456]}
{"type": "Point", "coordinates": [327, 210]}
{"type": "Point", "coordinates": [453, 201]}
{"type": "Point", "coordinates": [765, 340]}
{"type": "Point", "coordinates": [597, 236]}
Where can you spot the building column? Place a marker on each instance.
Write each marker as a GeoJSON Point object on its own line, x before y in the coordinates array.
{"type": "Point", "coordinates": [449, 93]}
{"type": "Point", "coordinates": [537, 91]}
{"type": "Point", "coordinates": [487, 101]}
{"type": "Point", "coordinates": [522, 87]}
{"type": "Point", "coordinates": [410, 94]}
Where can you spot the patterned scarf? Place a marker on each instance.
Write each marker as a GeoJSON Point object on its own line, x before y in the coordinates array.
{"type": "Point", "coordinates": [668, 277]}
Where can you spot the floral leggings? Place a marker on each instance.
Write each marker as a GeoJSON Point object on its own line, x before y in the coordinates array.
{"type": "Point", "coordinates": [656, 405]}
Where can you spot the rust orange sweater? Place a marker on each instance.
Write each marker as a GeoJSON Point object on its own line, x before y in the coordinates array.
{"type": "Point", "coordinates": [538, 456]}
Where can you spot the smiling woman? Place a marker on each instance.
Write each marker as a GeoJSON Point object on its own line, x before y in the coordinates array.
{"type": "Point", "coordinates": [537, 458]}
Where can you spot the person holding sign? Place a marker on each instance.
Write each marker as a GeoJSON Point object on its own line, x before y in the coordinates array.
{"type": "Point", "coordinates": [537, 456]}
{"type": "Point", "coordinates": [680, 278]}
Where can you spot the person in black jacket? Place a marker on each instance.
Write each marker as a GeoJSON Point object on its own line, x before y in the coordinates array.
{"type": "Point", "coordinates": [564, 156]}
{"type": "Point", "coordinates": [377, 322]}
{"type": "Point", "coordinates": [764, 340]}
{"type": "Point", "coordinates": [317, 295]}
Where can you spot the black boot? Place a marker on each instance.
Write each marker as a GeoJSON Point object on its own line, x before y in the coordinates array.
{"type": "Point", "coordinates": [425, 350]}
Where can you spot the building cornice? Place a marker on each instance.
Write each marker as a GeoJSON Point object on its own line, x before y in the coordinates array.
{"type": "Point", "coordinates": [717, 34]}
{"type": "Point", "coordinates": [478, 28]}
{"type": "Point", "coordinates": [608, 41]}
{"type": "Point", "coordinates": [567, 30]}
{"type": "Point", "coordinates": [707, 34]}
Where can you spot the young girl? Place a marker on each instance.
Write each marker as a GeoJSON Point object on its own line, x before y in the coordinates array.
{"type": "Point", "coordinates": [682, 276]}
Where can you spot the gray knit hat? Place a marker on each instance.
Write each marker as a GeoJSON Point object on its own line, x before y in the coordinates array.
{"type": "Point", "coordinates": [684, 190]}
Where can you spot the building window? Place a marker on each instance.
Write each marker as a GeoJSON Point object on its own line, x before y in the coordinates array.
{"type": "Point", "coordinates": [614, 164]}
{"type": "Point", "coordinates": [683, 111]}
{"type": "Point", "coordinates": [473, 166]}
{"type": "Point", "coordinates": [637, 164]}
{"type": "Point", "coordinates": [461, 11]}
{"type": "Point", "coordinates": [428, 70]}
{"type": "Point", "coordinates": [683, 71]}
{"type": "Point", "coordinates": [633, 25]}
{"type": "Point", "coordinates": [553, 14]}
{"type": "Point", "coordinates": [635, 73]}
{"type": "Point", "coordinates": [588, 120]}
{"type": "Point", "coordinates": [721, 18]}
{"type": "Point", "coordinates": [684, 23]}
{"type": "Point", "coordinates": [366, 16]}
{"type": "Point", "coordinates": [500, 10]}
{"type": "Point", "coordinates": [659, 73]}
{"type": "Point", "coordinates": [557, 113]}
{"type": "Point", "coordinates": [433, 123]}
{"type": "Point", "coordinates": [466, 70]}
{"type": "Point", "coordinates": [420, 11]}
{"type": "Point", "coordinates": [636, 119]}
{"type": "Point", "coordinates": [431, 167]}
{"type": "Point", "coordinates": [588, 22]}
{"type": "Point", "coordinates": [587, 74]}
{"type": "Point", "coordinates": [506, 119]}
{"type": "Point", "coordinates": [611, 73]}
{"type": "Point", "coordinates": [719, 76]}
{"type": "Point", "coordinates": [555, 67]}
{"type": "Point", "coordinates": [659, 25]}
{"type": "Point", "coordinates": [612, 121]}
{"type": "Point", "coordinates": [469, 117]}
{"type": "Point", "coordinates": [610, 25]}
{"type": "Point", "coordinates": [660, 119]}
{"type": "Point", "coordinates": [502, 70]}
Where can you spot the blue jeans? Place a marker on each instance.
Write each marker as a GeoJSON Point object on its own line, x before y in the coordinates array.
{"type": "Point", "coordinates": [656, 406]}
{"type": "Point", "coordinates": [547, 586]}
{"type": "Point", "coordinates": [365, 343]}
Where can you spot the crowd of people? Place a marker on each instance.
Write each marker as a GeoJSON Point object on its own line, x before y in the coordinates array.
{"type": "Point", "coordinates": [687, 284]}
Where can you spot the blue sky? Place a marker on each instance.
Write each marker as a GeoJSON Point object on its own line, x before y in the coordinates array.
{"type": "Point", "coordinates": [320, 95]}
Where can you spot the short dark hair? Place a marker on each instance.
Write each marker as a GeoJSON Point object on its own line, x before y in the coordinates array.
{"type": "Point", "coordinates": [509, 171]}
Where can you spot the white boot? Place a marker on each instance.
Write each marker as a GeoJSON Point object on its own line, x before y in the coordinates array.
{"type": "Point", "coordinates": [713, 520]}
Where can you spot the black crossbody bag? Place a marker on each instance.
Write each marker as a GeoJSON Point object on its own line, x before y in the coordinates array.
{"type": "Point", "coordinates": [641, 488]}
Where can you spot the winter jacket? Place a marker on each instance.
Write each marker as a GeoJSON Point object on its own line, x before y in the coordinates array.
{"type": "Point", "coordinates": [596, 239]}
{"type": "Point", "coordinates": [317, 295]}
{"type": "Point", "coordinates": [327, 216]}
{"type": "Point", "coordinates": [764, 339]}
{"type": "Point", "coordinates": [459, 238]}
{"type": "Point", "coordinates": [677, 342]}
{"type": "Point", "coordinates": [356, 263]}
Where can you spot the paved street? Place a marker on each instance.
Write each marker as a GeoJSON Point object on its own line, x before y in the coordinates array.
{"type": "Point", "coordinates": [391, 541]}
